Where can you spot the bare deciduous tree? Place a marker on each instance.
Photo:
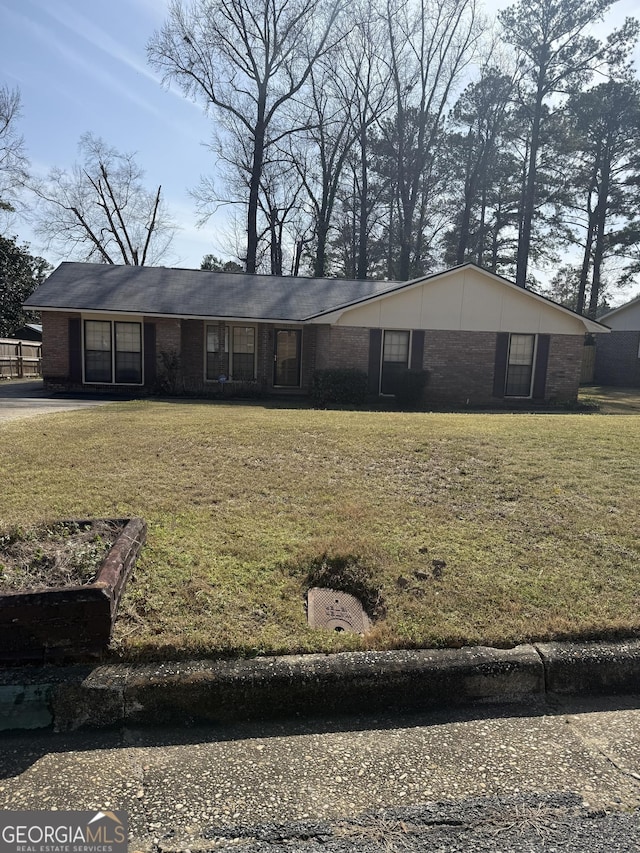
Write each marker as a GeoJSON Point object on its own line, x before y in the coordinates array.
{"type": "Point", "coordinates": [13, 160]}
{"type": "Point", "coordinates": [100, 210]}
{"type": "Point", "coordinates": [245, 59]}
{"type": "Point", "coordinates": [432, 43]}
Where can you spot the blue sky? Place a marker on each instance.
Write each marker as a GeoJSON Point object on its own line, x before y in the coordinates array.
{"type": "Point", "coordinates": [81, 66]}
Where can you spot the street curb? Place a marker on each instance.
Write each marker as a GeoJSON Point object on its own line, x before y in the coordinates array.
{"type": "Point", "coordinates": [594, 668]}
{"type": "Point", "coordinates": [192, 692]}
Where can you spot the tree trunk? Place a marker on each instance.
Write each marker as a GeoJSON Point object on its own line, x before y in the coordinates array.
{"type": "Point", "coordinates": [586, 263]}
{"type": "Point", "coordinates": [363, 260]}
{"type": "Point", "coordinates": [482, 228]}
{"type": "Point", "coordinates": [320, 261]}
{"type": "Point", "coordinates": [529, 199]}
{"type": "Point", "coordinates": [601, 219]}
{"type": "Point", "coordinates": [254, 187]}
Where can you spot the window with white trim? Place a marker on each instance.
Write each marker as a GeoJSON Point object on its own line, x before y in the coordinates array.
{"type": "Point", "coordinates": [520, 365]}
{"type": "Point", "coordinates": [243, 354]}
{"type": "Point", "coordinates": [231, 354]}
{"type": "Point", "coordinates": [217, 352]}
{"type": "Point", "coordinates": [395, 358]}
{"type": "Point", "coordinates": [112, 352]}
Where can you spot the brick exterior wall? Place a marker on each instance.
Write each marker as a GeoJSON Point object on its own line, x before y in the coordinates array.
{"type": "Point", "coordinates": [460, 365]}
{"type": "Point", "coordinates": [617, 361]}
{"type": "Point", "coordinates": [55, 347]}
{"type": "Point", "coordinates": [342, 346]}
{"type": "Point", "coordinates": [168, 337]}
{"type": "Point", "coordinates": [192, 354]}
{"type": "Point", "coordinates": [564, 368]}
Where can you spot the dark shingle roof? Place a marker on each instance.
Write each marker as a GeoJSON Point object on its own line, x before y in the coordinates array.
{"type": "Point", "coordinates": [197, 293]}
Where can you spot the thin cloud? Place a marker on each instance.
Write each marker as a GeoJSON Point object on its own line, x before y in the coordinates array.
{"type": "Point", "coordinates": [86, 30]}
{"type": "Point", "coordinates": [73, 57]}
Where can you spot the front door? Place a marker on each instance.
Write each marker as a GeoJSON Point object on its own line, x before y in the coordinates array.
{"type": "Point", "coordinates": [287, 358]}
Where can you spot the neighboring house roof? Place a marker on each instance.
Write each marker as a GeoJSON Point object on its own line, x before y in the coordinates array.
{"type": "Point", "coordinates": [28, 332]}
{"type": "Point", "coordinates": [158, 291]}
{"type": "Point", "coordinates": [625, 317]}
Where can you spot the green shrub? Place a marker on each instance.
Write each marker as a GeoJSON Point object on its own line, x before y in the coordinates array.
{"type": "Point", "coordinates": [339, 385]}
{"type": "Point", "coordinates": [169, 373]}
{"type": "Point", "coordinates": [410, 385]}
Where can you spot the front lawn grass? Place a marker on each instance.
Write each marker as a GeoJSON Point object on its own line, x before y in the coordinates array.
{"type": "Point", "coordinates": [465, 528]}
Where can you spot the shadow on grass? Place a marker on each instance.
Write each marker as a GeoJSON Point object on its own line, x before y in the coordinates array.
{"type": "Point", "coordinates": [611, 401]}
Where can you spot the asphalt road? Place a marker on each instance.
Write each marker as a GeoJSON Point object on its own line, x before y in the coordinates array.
{"type": "Point", "coordinates": [27, 398]}
{"type": "Point", "coordinates": [562, 777]}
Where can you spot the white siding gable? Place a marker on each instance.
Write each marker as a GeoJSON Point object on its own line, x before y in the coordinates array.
{"type": "Point", "coordinates": [624, 319]}
{"type": "Point", "coordinates": [465, 299]}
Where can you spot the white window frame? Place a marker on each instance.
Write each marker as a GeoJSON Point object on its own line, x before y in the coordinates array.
{"type": "Point", "coordinates": [137, 321]}
{"type": "Point", "coordinates": [228, 344]}
{"type": "Point", "coordinates": [217, 327]}
{"type": "Point", "coordinates": [534, 353]}
{"type": "Point", "coordinates": [409, 344]}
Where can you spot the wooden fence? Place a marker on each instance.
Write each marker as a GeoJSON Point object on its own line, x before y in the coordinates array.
{"type": "Point", "coordinates": [588, 364]}
{"type": "Point", "coordinates": [19, 359]}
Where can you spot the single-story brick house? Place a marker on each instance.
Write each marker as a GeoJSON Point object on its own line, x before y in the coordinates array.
{"type": "Point", "coordinates": [618, 354]}
{"type": "Point", "coordinates": [481, 337]}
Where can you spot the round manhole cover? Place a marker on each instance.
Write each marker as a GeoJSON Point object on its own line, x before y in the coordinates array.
{"type": "Point", "coordinates": [335, 611]}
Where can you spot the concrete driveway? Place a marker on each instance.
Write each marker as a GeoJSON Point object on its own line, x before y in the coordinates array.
{"type": "Point", "coordinates": [26, 398]}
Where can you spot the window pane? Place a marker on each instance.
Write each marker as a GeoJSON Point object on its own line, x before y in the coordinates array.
{"type": "Point", "coordinates": [395, 358]}
{"type": "Point", "coordinates": [243, 367]}
{"type": "Point", "coordinates": [396, 347]}
{"type": "Point", "coordinates": [243, 353]}
{"type": "Point", "coordinates": [128, 367]}
{"type": "Point", "coordinates": [213, 339]}
{"type": "Point", "coordinates": [128, 337]}
{"type": "Point", "coordinates": [97, 366]}
{"type": "Point", "coordinates": [217, 360]}
{"type": "Point", "coordinates": [243, 339]}
{"type": "Point", "coordinates": [521, 349]}
{"type": "Point", "coordinates": [97, 351]}
{"type": "Point", "coordinates": [97, 335]}
{"type": "Point", "coordinates": [128, 352]}
{"type": "Point", "coordinates": [520, 367]}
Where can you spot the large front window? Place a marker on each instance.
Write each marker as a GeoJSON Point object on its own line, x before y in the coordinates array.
{"type": "Point", "coordinates": [112, 352]}
{"type": "Point", "coordinates": [231, 352]}
{"type": "Point", "coordinates": [520, 365]}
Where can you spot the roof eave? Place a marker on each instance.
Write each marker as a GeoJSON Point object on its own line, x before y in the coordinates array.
{"type": "Point", "coordinates": [232, 318]}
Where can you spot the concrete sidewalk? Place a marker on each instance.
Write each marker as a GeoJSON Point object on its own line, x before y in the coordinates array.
{"type": "Point", "coordinates": [68, 698]}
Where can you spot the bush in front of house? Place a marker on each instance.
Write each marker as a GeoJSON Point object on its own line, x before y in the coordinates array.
{"type": "Point", "coordinates": [339, 385]}
{"type": "Point", "coordinates": [169, 378]}
{"type": "Point", "coordinates": [410, 386]}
